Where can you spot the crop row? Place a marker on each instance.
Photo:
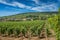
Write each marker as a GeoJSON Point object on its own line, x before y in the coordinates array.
{"type": "Point", "coordinates": [54, 23]}
{"type": "Point", "coordinates": [24, 28]}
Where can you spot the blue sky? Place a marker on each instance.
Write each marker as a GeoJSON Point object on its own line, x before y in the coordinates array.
{"type": "Point", "coordinates": [11, 7]}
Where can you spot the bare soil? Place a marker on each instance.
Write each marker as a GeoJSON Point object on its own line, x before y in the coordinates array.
{"type": "Point", "coordinates": [20, 38]}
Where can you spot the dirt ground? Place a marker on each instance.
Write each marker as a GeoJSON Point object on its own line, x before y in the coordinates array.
{"type": "Point", "coordinates": [33, 38]}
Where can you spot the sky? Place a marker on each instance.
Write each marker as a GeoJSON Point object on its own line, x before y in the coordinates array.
{"type": "Point", "coordinates": [11, 7]}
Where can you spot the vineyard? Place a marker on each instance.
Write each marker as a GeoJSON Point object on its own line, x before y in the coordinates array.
{"type": "Point", "coordinates": [47, 29]}
{"type": "Point", "coordinates": [20, 29]}
{"type": "Point", "coordinates": [26, 30]}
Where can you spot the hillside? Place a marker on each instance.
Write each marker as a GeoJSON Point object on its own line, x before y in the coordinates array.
{"type": "Point", "coordinates": [30, 15]}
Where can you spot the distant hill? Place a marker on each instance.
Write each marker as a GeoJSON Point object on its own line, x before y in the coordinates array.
{"type": "Point", "coordinates": [28, 15]}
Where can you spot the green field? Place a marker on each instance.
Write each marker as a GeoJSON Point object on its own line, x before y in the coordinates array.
{"type": "Point", "coordinates": [34, 28]}
{"type": "Point", "coordinates": [21, 27]}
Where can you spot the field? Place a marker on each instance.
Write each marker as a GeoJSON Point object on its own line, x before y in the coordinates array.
{"type": "Point", "coordinates": [36, 27]}
{"type": "Point", "coordinates": [26, 30]}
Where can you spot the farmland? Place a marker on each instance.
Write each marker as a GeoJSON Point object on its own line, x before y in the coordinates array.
{"type": "Point", "coordinates": [42, 27]}
{"type": "Point", "coordinates": [25, 29]}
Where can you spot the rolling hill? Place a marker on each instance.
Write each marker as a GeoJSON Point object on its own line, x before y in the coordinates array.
{"type": "Point", "coordinates": [29, 15]}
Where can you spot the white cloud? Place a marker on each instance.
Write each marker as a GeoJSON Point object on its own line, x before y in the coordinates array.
{"type": "Point", "coordinates": [36, 1]}
{"type": "Point", "coordinates": [21, 5]}
{"type": "Point", "coordinates": [4, 2]}
{"type": "Point", "coordinates": [16, 4]}
{"type": "Point", "coordinates": [51, 7]}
